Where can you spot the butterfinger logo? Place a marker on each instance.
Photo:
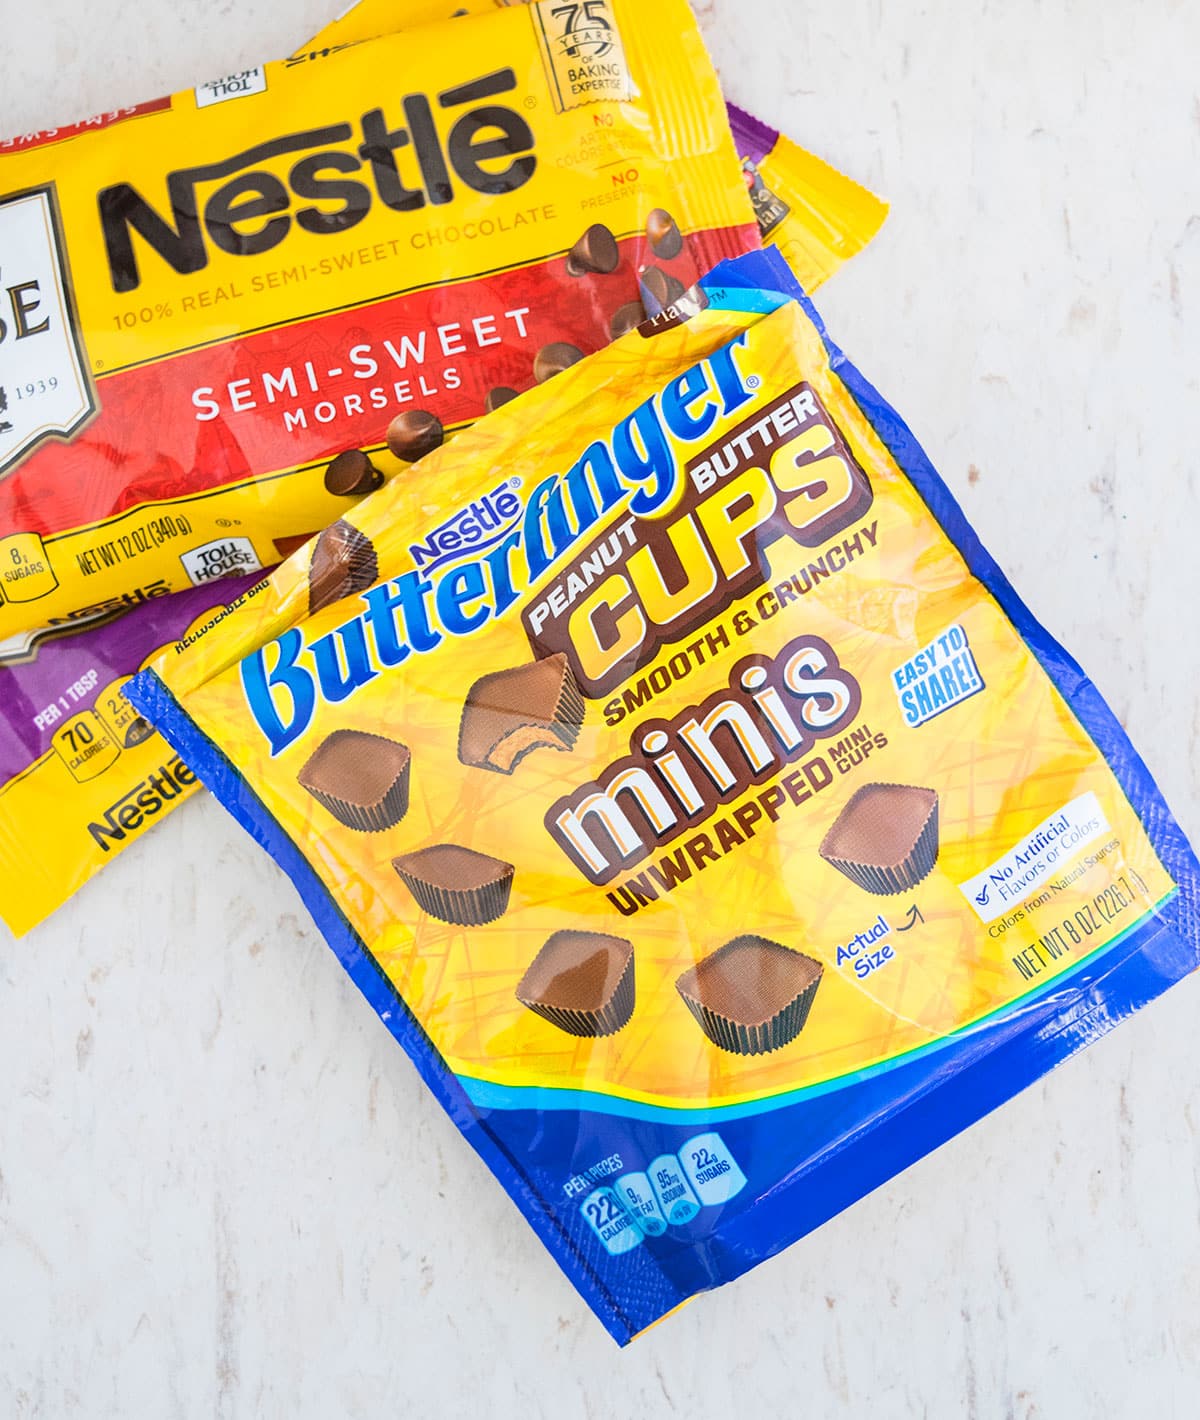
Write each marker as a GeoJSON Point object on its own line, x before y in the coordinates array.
{"type": "Point", "coordinates": [785, 471]}
{"type": "Point", "coordinates": [581, 44]}
{"type": "Point", "coordinates": [44, 387]}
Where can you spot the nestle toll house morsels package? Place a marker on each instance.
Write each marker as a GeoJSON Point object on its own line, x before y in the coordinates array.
{"type": "Point", "coordinates": [226, 315]}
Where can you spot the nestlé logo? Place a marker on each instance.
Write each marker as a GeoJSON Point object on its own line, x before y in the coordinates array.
{"type": "Point", "coordinates": [472, 530]}
{"type": "Point", "coordinates": [251, 211]}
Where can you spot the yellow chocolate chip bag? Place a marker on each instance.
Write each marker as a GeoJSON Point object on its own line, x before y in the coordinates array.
{"type": "Point", "coordinates": [818, 217]}
{"type": "Point", "coordinates": [691, 795]}
{"type": "Point", "coordinates": [82, 774]}
{"type": "Point", "coordinates": [214, 305]}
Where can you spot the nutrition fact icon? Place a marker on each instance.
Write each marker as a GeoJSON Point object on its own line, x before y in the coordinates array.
{"type": "Point", "coordinates": [669, 1192]}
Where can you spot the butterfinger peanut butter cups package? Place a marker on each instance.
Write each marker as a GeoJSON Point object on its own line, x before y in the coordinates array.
{"type": "Point", "coordinates": [691, 795]}
{"type": "Point", "coordinates": [228, 314]}
{"type": "Point", "coordinates": [818, 217]}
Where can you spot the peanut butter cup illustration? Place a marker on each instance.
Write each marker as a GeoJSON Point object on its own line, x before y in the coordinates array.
{"type": "Point", "coordinates": [343, 562]}
{"type": "Point", "coordinates": [886, 838]}
{"type": "Point", "coordinates": [362, 779]}
{"type": "Point", "coordinates": [752, 995]}
{"type": "Point", "coordinates": [581, 982]}
{"type": "Point", "coordinates": [510, 713]}
{"type": "Point", "coordinates": [456, 884]}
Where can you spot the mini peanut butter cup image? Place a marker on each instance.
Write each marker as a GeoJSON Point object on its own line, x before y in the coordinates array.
{"type": "Point", "coordinates": [510, 713]}
{"type": "Point", "coordinates": [886, 838]}
{"type": "Point", "coordinates": [660, 289]}
{"type": "Point", "coordinates": [414, 434]}
{"type": "Point", "coordinates": [595, 253]}
{"type": "Point", "coordinates": [343, 562]}
{"type": "Point", "coordinates": [626, 318]}
{"type": "Point", "coordinates": [752, 995]}
{"type": "Point", "coordinates": [352, 474]}
{"type": "Point", "coordinates": [666, 240]}
{"type": "Point", "coordinates": [553, 359]}
{"type": "Point", "coordinates": [581, 982]}
{"type": "Point", "coordinates": [456, 885]}
{"type": "Point", "coordinates": [362, 779]}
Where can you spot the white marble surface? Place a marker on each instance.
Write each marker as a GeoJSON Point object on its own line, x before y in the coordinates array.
{"type": "Point", "coordinates": [223, 1190]}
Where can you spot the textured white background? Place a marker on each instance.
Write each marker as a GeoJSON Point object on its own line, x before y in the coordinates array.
{"type": "Point", "coordinates": [223, 1190]}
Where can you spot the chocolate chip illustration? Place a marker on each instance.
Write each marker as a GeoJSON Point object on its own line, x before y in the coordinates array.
{"type": "Point", "coordinates": [666, 240]}
{"type": "Point", "coordinates": [414, 434]}
{"type": "Point", "coordinates": [138, 732]}
{"type": "Point", "coordinates": [498, 397]}
{"type": "Point", "coordinates": [595, 252]}
{"type": "Point", "coordinates": [350, 474]}
{"type": "Point", "coordinates": [553, 359]}
{"type": "Point", "coordinates": [661, 288]}
{"type": "Point", "coordinates": [626, 318]}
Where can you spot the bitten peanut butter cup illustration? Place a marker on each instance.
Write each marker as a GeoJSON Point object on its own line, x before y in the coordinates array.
{"type": "Point", "coordinates": [343, 563]}
{"type": "Point", "coordinates": [455, 884]}
{"type": "Point", "coordinates": [581, 982]}
{"type": "Point", "coordinates": [886, 838]}
{"type": "Point", "coordinates": [752, 995]}
{"type": "Point", "coordinates": [362, 779]}
{"type": "Point", "coordinates": [510, 713]}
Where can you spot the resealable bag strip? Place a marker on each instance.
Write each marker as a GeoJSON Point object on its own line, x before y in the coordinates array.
{"type": "Point", "coordinates": [690, 794]}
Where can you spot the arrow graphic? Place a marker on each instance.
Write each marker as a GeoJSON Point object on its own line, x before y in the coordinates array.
{"type": "Point", "coordinates": [914, 916]}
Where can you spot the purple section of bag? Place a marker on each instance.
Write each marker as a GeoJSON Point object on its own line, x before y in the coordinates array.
{"type": "Point", "coordinates": [752, 138]}
{"type": "Point", "coordinates": [67, 674]}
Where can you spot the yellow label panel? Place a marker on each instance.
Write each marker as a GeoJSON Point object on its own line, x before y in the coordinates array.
{"type": "Point", "coordinates": [818, 217]}
{"type": "Point", "coordinates": [786, 723]}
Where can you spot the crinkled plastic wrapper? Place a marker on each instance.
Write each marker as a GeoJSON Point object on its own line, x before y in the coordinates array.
{"type": "Point", "coordinates": [82, 774]}
{"type": "Point", "coordinates": [818, 217]}
{"type": "Point", "coordinates": [691, 795]}
{"type": "Point", "coordinates": [231, 313]}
